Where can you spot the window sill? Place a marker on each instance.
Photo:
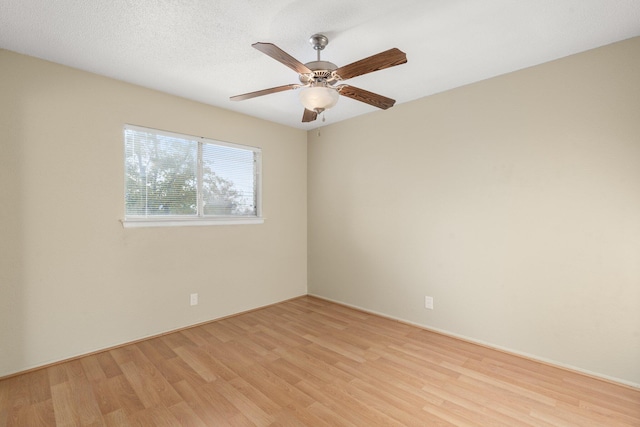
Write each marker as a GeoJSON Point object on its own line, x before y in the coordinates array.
{"type": "Point", "coordinates": [174, 222]}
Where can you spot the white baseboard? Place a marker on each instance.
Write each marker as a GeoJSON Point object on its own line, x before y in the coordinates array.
{"type": "Point", "coordinates": [546, 361]}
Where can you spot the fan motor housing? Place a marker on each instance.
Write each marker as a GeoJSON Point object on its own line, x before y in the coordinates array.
{"type": "Point", "coordinates": [322, 72]}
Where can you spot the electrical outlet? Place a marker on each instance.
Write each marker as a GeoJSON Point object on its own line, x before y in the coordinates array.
{"type": "Point", "coordinates": [428, 302]}
{"type": "Point", "coordinates": [194, 299]}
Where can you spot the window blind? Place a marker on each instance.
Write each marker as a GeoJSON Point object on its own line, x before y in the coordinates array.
{"type": "Point", "coordinates": [169, 175]}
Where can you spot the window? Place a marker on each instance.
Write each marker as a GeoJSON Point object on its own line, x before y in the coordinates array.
{"type": "Point", "coordinates": [173, 179]}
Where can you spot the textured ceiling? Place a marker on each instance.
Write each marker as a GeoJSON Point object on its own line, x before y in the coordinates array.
{"type": "Point", "coordinates": [201, 49]}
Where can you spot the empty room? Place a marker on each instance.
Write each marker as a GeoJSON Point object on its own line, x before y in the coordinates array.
{"type": "Point", "coordinates": [355, 213]}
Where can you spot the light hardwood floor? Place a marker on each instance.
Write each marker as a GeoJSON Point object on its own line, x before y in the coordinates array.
{"type": "Point", "coordinates": [310, 362]}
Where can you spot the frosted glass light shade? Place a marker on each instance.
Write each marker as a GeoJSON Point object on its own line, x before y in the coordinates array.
{"type": "Point", "coordinates": [316, 98]}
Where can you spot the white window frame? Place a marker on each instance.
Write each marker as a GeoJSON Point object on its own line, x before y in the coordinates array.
{"type": "Point", "coordinates": [132, 221]}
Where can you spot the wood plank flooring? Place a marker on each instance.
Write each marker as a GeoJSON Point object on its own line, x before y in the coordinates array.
{"type": "Point", "coordinates": [309, 362]}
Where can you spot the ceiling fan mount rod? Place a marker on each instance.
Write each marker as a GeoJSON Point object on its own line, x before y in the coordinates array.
{"type": "Point", "coordinates": [319, 42]}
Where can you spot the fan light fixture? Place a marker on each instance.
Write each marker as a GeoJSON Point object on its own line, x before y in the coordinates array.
{"type": "Point", "coordinates": [321, 81]}
{"type": "Point", "coordinates": [318, 98]}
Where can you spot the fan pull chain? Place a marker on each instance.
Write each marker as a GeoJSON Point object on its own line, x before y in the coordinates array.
{"type": "Point", "coordinates": [323, 120]}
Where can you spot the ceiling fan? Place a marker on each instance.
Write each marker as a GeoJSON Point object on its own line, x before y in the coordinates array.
{"type": "Point", "coordinates": [319, 79]}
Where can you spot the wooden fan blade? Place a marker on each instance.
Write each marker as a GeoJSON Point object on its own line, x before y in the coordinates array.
{"type": "Point", "coordinates": [366, 96]}
{"type": "Point", "coordinates": [380, 61]}
{"type": "Point", "coordinates": [309, 116]}
{"type": "Point", "coordinates": [283, 57]}
{"type": "Point", "coordinates": [263, 92]}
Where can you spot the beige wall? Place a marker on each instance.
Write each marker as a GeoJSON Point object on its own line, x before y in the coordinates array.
{"type": "Point", "coordinates": [514, 202]}
{"type": "Point", "coordinates": [72, 279]}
